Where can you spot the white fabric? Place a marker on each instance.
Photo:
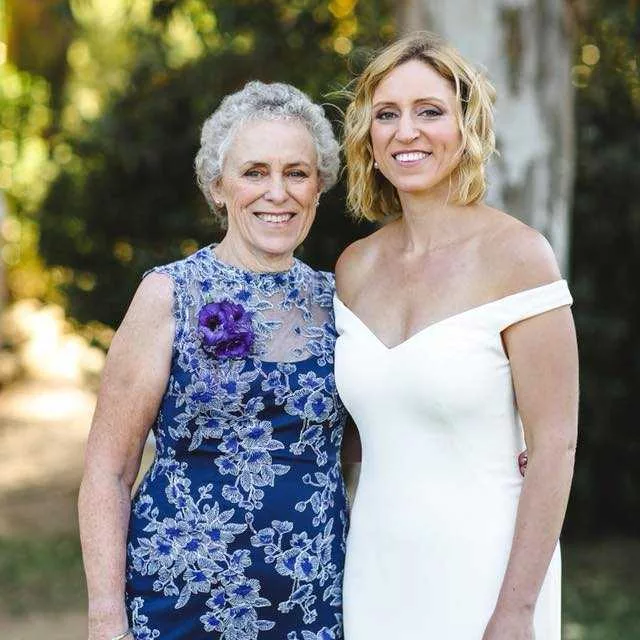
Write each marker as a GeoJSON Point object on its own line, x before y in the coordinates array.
{"type": "Point", "coordinates": [434, 514]}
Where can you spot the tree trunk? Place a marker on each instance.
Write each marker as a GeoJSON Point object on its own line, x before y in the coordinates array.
{"type": "Point", "coordinates": [38, 35]}
{"type": "Point", "coordinates": [525, 47]}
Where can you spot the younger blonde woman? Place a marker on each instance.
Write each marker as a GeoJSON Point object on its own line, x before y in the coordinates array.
{"type": "Point", "coordinates": [456, 347]}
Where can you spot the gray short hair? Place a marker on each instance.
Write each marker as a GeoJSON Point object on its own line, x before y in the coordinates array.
{"type": "Point", "coordinates": [260, 101]}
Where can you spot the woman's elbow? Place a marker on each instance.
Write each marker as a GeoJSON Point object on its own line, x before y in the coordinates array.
{"type": "Point", "coordinates": [99, 484]}
{"type": "Point", "coordinates": [557, 451]}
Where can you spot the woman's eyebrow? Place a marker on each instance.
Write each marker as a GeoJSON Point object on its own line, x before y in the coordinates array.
{"type": "Point", "coordinates": [264, 163]}
{"type": "Point", "coordinates": [248, 163]}
{"type": "Point", "coordinates": [295, 163]}
{"type": "Point", "coordinates": [390, 103]}
{"type": "Point", "coordinates": [384, 104]}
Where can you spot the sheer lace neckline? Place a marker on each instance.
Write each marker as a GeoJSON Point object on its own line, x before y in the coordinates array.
{"type": "Point", "coordinates": [280, 317]}
{"type": "Point", "coordinates": [275, 277]}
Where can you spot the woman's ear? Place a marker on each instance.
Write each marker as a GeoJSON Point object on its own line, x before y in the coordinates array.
{"type": "Point", "coordinates": [216, 194]}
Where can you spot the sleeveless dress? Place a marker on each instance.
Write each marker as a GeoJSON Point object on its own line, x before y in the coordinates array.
{"type": "Point", "coordinates": [434, 513]}
{"type": "Point", "coordinates": [238, 530]}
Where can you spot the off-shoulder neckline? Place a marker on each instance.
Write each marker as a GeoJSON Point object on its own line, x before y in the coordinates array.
{"type": "Point", "coordinates": [475, 309]}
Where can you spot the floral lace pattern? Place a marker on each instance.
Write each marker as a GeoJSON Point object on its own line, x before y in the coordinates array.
{"type": "Point", "coordinates": [240, 523]}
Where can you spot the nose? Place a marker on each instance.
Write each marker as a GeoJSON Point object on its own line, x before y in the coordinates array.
{"type": "Point", "coordinates": [406, 131]}
{"type": "Point", "coordinates": [277, 191]}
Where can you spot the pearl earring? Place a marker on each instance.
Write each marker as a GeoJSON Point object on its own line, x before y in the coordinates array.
{"type": "Point", "coordinates": [375, 164]}
{"type": "Point", "coordinates": [218, 203]}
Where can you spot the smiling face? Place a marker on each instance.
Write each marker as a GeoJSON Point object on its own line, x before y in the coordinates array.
{"type": "Point", "coordinates": [414, 129]}
{"type": "Point", "coordinates": [269, 186]}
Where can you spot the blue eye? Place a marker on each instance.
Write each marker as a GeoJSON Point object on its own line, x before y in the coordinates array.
{"type": "Point", "coordinates": [298, 173]}
{"type": "Point", "coordinates": [385, 115]}
{"type": "Point", "coordinates": [253, 173]}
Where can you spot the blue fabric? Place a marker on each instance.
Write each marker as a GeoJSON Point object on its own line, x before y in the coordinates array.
{"type": "Point", "coordinates": [238, 530]}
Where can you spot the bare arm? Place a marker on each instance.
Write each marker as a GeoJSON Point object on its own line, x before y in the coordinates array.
{"type": "Point", "coordinates": [133, 382]}
{"type": "Point", "coordinates": [349, 268]}
{"type": "Point", "coordinates": [544, 363]}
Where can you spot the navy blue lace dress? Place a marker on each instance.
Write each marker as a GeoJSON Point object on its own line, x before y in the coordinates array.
{"type": "Point", "coordinates": [238, 530]}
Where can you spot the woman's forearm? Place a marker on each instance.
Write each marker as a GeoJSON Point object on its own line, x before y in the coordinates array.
{"type": "Point", "coordinates": [541, 511]}
{"type": "Point", "coordinates": [103, 505]}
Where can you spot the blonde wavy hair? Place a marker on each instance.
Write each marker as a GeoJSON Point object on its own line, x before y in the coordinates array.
{"type": "Point", "coordinates": [370, 194]}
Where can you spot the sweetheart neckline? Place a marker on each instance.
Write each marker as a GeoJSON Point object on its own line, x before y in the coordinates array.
{"type": "Point", "coordinates": [446, 319]}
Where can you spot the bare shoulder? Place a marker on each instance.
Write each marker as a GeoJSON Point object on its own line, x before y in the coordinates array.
{"type": "Point", "coordinates": [155, 292]}
{"type": "Point", "coordinates": [149, 315]}
{"type": "Point", "coordinates": [518, 256]}
{"type": "Point", "coordinates": [355, 262]}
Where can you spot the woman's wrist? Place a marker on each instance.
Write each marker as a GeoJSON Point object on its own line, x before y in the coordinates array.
{"type": "Point", "coordinates": [102, 608]}
{"type": "Point", "coordinates": [109, 622]}
{"type": "Point", "coordinates": [515, 606]}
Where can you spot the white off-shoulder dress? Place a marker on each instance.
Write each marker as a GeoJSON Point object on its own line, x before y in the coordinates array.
{"type": "Point", "coordinates": [434, 514]}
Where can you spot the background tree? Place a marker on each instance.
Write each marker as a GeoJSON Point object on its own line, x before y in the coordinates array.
{"type": "Point", "coordinates": [27, 125]}
{"type": "Point", "coordinates": [604, 267]}
{"type": "Point", "coordinates": [127, 198]}
{"type": "Point", "coordinates": [526, 48]}
{"type": "Point", "coordinates": [27, 21]}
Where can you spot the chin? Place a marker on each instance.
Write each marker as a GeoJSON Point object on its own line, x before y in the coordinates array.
{"type": "Point", "coordinates": [421, 184]}
{"type": "Point", "coordinates": [278, 246]}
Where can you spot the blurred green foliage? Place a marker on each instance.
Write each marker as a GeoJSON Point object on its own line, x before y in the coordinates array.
{"type": "Point", "coordinates": [126, 199]}
{"type": "Point", "coordinates": [601, 590]}
{"type": "Point", "coordinates": [26, 172]}
{"type": "Point", "coordinates": [604, 270]}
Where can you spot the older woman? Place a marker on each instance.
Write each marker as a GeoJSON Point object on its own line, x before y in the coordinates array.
{"type": "Point", "coordinates": [454, 334]}
{"type": "Point", "coordinates": [237, 530]}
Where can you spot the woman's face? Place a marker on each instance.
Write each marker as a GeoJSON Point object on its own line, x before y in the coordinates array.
{"type": "Point", "coordinates": [414, 131]}
{"type": "Point", "coordinates": [270, 186]}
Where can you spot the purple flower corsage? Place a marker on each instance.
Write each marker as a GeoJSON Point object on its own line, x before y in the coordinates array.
{"type": "Point", "coordinates": [225, 329]}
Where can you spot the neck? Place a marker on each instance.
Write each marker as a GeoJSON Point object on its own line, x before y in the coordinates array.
{"type": "Point", "coordinates": [239, 254]}
{"type": "Point", "coordinates": [429, 220]}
